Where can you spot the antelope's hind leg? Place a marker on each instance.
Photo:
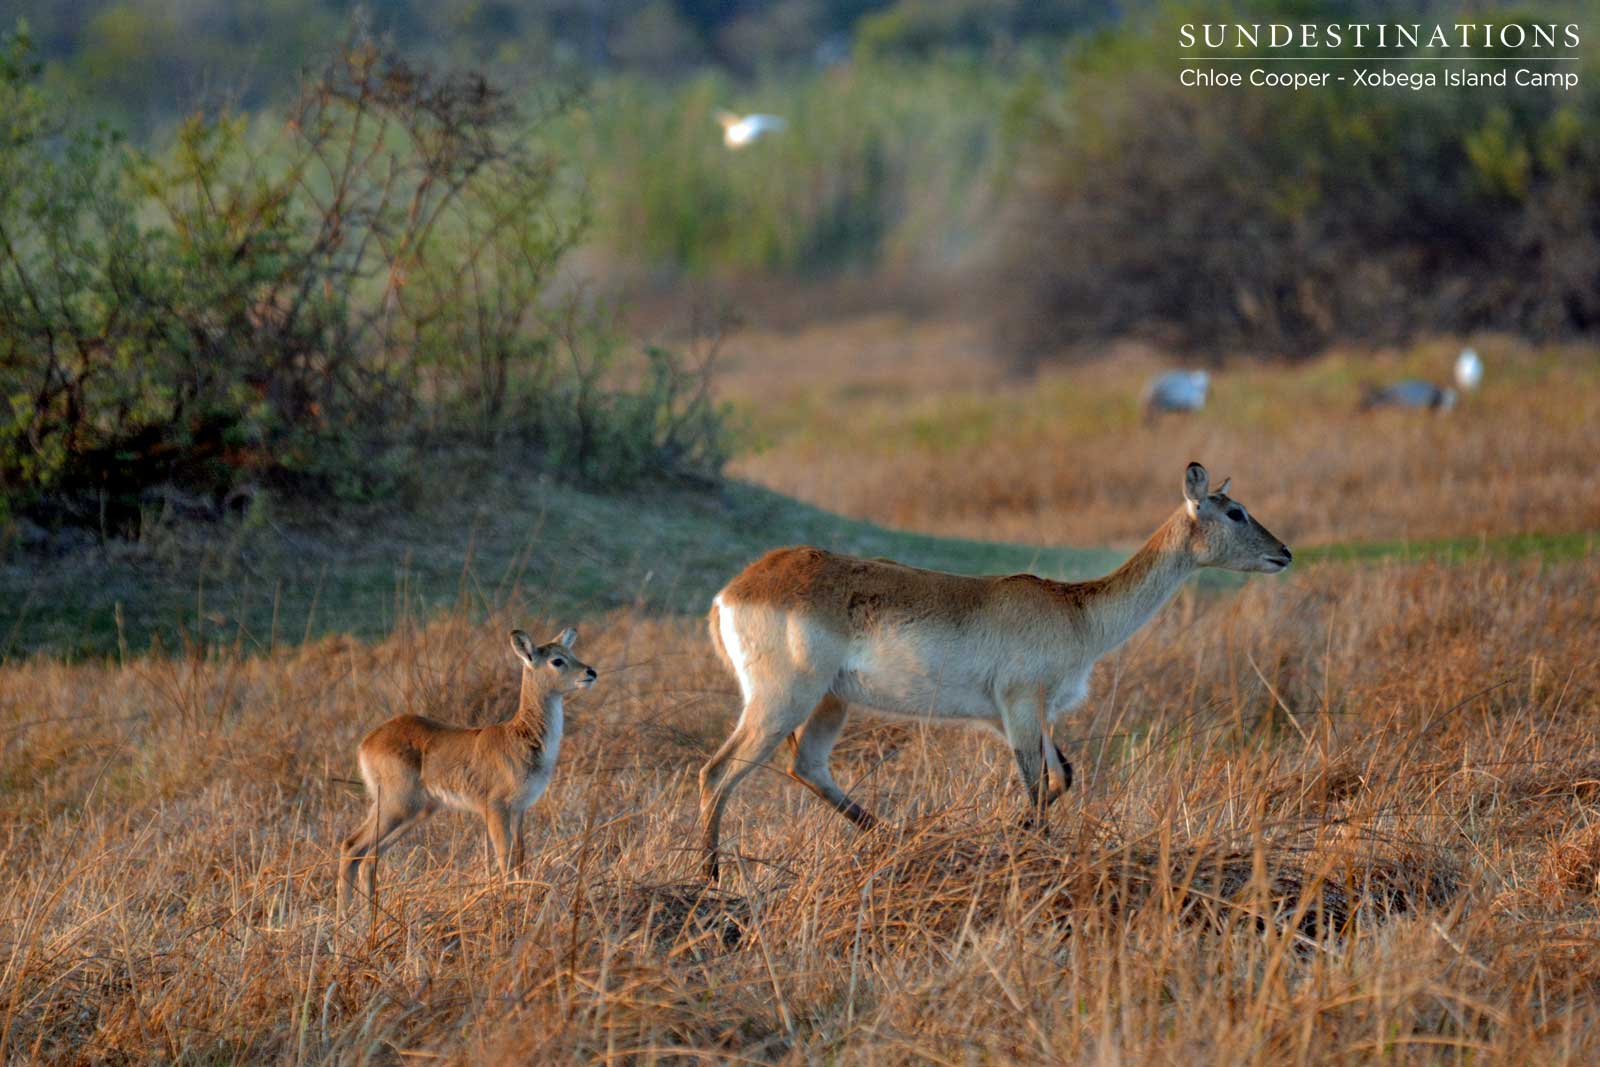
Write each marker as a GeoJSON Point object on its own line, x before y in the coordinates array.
{"type": "Point", "coordinates": [765, 723]}
{"type": "Point", "coordinates": [390, 824]}
{"type": "Point", "coordinates": [810, 747]}
{"type": "Point", "coordinates": [352, 851]}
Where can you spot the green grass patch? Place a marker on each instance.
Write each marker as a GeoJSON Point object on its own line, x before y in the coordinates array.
{"type": "Point", "coordinates": [537, 549]}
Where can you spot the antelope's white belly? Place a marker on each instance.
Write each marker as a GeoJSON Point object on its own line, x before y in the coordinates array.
{"type": "Point", "coordinates": [919, 696]}
{"type": "Point", "coordinates": [950, 680]}
{"type": "Point", "coordinates": [449, 798]}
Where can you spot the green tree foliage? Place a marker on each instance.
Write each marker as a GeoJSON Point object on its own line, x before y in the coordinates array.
{"type": "Point", "coordinates": [303, 303]}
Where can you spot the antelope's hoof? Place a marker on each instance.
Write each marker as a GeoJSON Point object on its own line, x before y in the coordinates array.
{"type": "Point", "coordinates": [1036, 820]}
{"type": "Point", "coordinates": [1066, 768]}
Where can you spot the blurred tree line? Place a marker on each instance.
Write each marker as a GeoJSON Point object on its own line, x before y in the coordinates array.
{"type": "Point", "coordinates": [1277, 222]}
{"type": "Point", "coordinates": [1051, 139]}
{"type": "Point", "coordinates": [142, 61]}
{"type": "Point", "coordinates": [889, 159]}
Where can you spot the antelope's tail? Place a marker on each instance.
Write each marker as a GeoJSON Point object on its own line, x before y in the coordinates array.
{"type": "Point", "coordinates": [714, 624]}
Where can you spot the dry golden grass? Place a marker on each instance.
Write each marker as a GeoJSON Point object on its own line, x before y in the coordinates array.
{"type": "Point", "coordinates": [1341, 817]}
{"type": "Point", "coordinates": [903, 422]}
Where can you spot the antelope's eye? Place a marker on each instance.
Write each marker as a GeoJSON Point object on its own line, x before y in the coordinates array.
{"type": "Point", "coordinates": [558, 663]}
{"type": "Point", "coordinates": [1235, 513]}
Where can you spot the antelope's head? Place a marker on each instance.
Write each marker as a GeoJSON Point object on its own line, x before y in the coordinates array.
{"type": "Point", "coordinates": [554, 666]}
{"type": "Point", "coordinates": [1223, 534]}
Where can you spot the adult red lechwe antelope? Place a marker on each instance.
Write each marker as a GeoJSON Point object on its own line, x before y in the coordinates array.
{"type": "Point", "coordinates": [806, 631]}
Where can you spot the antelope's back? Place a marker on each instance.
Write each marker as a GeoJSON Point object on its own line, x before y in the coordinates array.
{"type": "Point", "coordinates": [851, 595]}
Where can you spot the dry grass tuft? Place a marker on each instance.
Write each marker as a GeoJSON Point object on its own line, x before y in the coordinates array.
{"type": "Point", "coordinates": [674, 916]}
{"type": "Point", "coordinates": [1571, 863]}
{"type": "Point", "coordinates": [949, 878]}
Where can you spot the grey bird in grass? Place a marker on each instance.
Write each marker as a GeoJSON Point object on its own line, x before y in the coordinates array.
{"type": "Point", "coordinates": [1412, 393]}
{"type": "Point", "coordinates": [1178, 390]}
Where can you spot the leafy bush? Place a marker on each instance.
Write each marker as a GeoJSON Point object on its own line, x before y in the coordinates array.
{"type": "Point", "coordinates": [304, 304]}
{"type": "Point", "coordinates": [1281, 221]}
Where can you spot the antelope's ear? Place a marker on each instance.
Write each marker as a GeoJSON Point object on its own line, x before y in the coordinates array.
{"type": "Point", "coordinates": [1195, 483]}
{"type": "Point", "coordinates": [567, 637]}
{"type": "Point", "coordinates": [523, 646]}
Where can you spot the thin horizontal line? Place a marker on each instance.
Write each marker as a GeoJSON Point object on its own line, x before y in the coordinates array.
{"type": "Point", "coordinates": [1384, 59]}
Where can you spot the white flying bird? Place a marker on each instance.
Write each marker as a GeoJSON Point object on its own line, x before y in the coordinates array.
{"type": "Point", "coordinates": [1469, 370]}
{"type": "Point", "coordinates": [1178, 390]}
{"type": "Point", "coordinates": [738, 131]}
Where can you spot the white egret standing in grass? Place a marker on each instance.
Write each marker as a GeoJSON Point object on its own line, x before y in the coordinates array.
{"type": "Point", "coordinates": [739, 131]}
{"type": "Point", "coordinates": [1469, 370]}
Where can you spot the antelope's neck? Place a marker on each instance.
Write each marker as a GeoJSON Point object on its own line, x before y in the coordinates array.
{"type": "Point", "coordinates": [539, 712]}
{"type": "Point", "coordinates": [1126, 598]}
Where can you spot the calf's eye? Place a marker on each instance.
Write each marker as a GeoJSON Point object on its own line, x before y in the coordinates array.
{"type": "Point", "coordinates": [558, 662]}
{"type": "Point", "coordinates": [1236, 514]}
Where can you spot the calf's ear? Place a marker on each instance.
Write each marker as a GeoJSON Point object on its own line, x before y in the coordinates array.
{"type": "Point", "coordinates": [523, 646]}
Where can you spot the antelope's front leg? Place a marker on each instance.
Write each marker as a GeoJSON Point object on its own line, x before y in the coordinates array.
{"type": "Point", "coordinates": [498, 821]}
{"type": "Point", "coordinates": [1046, 777]}
{"type": "Point", "coordinates": [1027, 745]}
{"type": "Point", "coordinates": [1064, 773]}
{"type": "Point", "coordinates": [1057, 768]}
{"type": "Point", "coordinates": [1044, 771]}
{"type": "Point", "coordinates": [517, 818]}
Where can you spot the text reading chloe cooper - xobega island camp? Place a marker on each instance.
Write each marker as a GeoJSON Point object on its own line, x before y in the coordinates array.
{"type": "Point", "coordinates": [1381, 78]}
